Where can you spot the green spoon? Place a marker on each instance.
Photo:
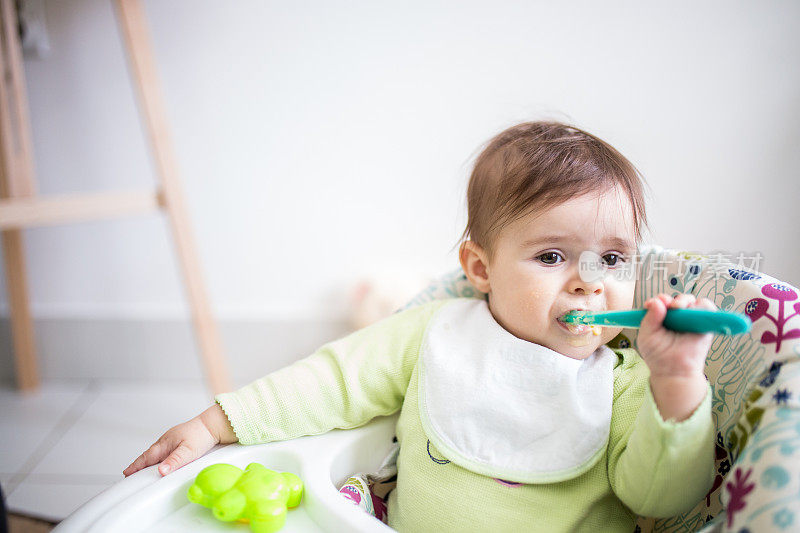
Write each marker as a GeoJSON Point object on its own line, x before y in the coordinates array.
{"type": "Point", "coordinates": [683, 320]}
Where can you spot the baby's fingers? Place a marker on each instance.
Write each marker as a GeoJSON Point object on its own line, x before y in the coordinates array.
{"type": "Point", "coordinates": [682, 301]}
{"type": "Point", "coordinates": [705, 303]}
{"type": "Point", "coordinates": [656, 311]}
{"type": "Point", "coordinates": [182, 455]}
{"type": "Point", "coordinates": [151, 456]}
{"type": "Point", "coordinates": [665, 298]}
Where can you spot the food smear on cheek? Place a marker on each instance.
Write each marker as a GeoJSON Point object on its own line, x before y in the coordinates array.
{"type": "Point", "coordinates": [532, 303]}
{"type": "Point", "coordinates": [534, 297]}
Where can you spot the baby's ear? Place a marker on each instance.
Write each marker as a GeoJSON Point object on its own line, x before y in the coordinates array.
{"type": "Point", "coordinates": [474, 263]}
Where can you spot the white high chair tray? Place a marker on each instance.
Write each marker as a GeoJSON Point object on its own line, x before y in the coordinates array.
{"type": "Point", "coordinates": [145, 501]}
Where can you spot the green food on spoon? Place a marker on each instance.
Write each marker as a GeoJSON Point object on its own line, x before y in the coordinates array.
{"type": "Point", "coordinates": [682, 320]}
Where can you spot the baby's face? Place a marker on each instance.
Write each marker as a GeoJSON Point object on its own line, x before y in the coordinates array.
{"type": "Point", "coordinates": [534, 278]}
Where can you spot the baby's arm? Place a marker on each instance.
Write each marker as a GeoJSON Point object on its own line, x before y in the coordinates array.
{"type": "Point", "coordinates": [344, 384]}
{"type": "Point", "coordinates": [186, 442]}
{"type": "Point", "coordinates": [676, 360]}
{"type": "Point", "coordinates": [659, 468]}
{"type": "Point", "coordinates": [661, 447]}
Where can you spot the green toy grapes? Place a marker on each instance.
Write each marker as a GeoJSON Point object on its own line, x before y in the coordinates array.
{"type": "Point", "coordinates": [256, 494]}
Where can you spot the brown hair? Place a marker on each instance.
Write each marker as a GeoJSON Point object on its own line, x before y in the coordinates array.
{"type": "Point", "coordinates": [534, 164]}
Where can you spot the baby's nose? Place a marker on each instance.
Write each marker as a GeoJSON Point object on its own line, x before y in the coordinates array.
{"type": "Point", "coordinates": [584, 288]}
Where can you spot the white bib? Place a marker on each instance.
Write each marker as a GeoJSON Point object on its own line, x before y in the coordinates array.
{"type": "Point", "coordinates": [507, 408]}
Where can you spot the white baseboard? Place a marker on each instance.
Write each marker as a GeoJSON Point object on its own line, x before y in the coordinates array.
{"type": "Point", "coordinates": [141, 349]}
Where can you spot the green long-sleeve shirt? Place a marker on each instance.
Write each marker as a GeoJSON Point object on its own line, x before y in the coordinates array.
{"type": "Point", "coordinates": [651, 467]}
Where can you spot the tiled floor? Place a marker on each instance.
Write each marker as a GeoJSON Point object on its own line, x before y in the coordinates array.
{"type": "Point", "coordinates": [71, 440]}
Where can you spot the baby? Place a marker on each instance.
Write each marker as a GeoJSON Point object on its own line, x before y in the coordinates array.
{"type": "Point", "coordinates": [510, 419]}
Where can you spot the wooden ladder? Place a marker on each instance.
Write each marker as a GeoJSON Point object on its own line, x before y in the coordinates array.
{"type": "Point", "coordinates": [20, 207]}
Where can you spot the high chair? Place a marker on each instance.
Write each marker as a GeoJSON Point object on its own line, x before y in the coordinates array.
{"type": "Point", "coordinates": [755, 379]}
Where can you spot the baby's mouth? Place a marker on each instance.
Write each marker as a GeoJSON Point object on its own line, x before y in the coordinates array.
{"type": "Point", "coordinates": [576, 328]}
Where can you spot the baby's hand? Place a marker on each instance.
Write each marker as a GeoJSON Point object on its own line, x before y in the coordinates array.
{"type": "Point", "coordinates": [671, 354]}
{"type": "Point", "coordinates": [186, 442]}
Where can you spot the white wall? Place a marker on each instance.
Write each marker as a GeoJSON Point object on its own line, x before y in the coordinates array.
{"type": "Point", "coordinates": [321, 140]}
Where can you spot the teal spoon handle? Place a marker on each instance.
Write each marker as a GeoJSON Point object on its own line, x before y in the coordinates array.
{"type": "Point", "coordinates": [683, 320]}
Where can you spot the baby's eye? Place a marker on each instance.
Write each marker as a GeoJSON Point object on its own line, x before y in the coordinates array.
{"type": "Point", "coordinates": [615, 258]}
{"type": "Point", "coordinates": [548, 258]}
